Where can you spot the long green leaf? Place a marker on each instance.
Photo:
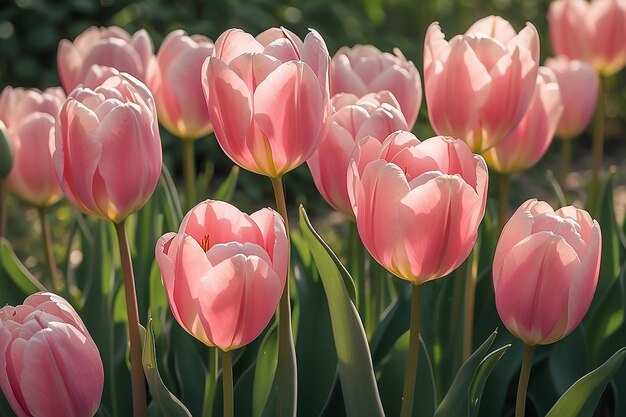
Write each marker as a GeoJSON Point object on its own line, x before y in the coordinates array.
{"type": "Point", "coordinates": [482, 373]}
{"type": "Point", "coordinates": [264, 374]}
{"type": "Point", "coordinates": [17, 271]}
{"type": "Point", "coordinates": [360, 392]}
{"type": "Point", "coordinates": [227, 189]}
{"type": "Point", "coordinates": [168, 404]}
{"type": "Point", "coordinates": [581, 398]}
{"type": "Point", "coordinates": [456, 403]}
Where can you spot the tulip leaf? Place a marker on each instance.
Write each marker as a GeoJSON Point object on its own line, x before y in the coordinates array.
{"type": "Point", "coordinates": [17, 271]}
{"type": "Point", "coordinates": [264, 374]}
{"type": "Point", "coordinates": [168, 404]}
{"type": "Point", "coordinates": [484, 370]}
{"type": "Point", "coordinates": [457, 401]}
{"type": "Point", "coordinates": [580, 399]}
{"type": "Point", "coordinates": [360, 392]}
{"type": "Point", "coordinates": [226, 190]}
{"type": "Point", "coordinates": [172, 209]}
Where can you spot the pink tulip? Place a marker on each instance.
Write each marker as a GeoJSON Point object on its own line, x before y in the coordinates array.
{"type": "Point", "coordinates": [224, 272]}
{"type": "Point", "coordinates": [29, 117]}
{"type": "Point", "coordinates": [417, 204]}
{"type": "Point", "coordinates": [364, 69]}
{"type": "Point", "coordinates": [268, 98]}
{"type": "Point", "coordinates": [594, 32]}
{"type": "Point", "coordinates": [107, 152]}
{"type": "Point", "coordinates": [177, 85]}
{"type": "Point", "coordinates": [579, 85]}
{"type": "Point", "coordinates": [105, 46]}
{"type": "Point", "coordinates": [376, 115]}
{"type": "Point", "coordinates": [49, 364]}
{"type": "Point", "coordinates": [479, 85]}
{"type": "Point", "coordinates": [529, 141]}
{"type": "Point", "coordinates": [545, 271]}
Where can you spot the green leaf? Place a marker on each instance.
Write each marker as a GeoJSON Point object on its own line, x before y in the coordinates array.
{"type": "Point", "coordinates": [484, 370]}
{"type": "Point", "coordinates": [457, 401]}
{"type": "Point", "coordinates": [227, 189]}
{"type": "Point", "coordinates": [264, 380]}
{"type": "Point", "coordinates": [18, 273]}
{"type": "Point", "coordinates": [580, 399]}
{"type": "Point", "coordinates": [168, 404]}
{"type": "Point", "coordinates": [360, 392]}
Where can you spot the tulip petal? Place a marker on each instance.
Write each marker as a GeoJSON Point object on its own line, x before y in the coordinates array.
{"type": "Point", "coordinates": [272, 228]}
{"type": "Point", "coordinates": [235, 42]}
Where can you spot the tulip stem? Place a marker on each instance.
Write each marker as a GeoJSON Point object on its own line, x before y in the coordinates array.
{"type": "Point", "coordinates": [287, 371]}
{"type": "Point", "coordinates": [470, 298]}
{"type": "Point", "coordinates": [414, 345]}
{"type": "Point", "coordinates": [53, 271]}
{"type": "Point", "coordinates": [227, 383]}
{"type": "Point", "coordinates": [210, 383]}
{"type": "Point", "coordinates": [136, 367]}
{"type": "Point", "coordinates": [189, 167]}
{"type": "Point", "coordinates": [357, 268]}
{"type": "Point", "coordinates": [522, 386]}
{"type": "Point", "coordinates": [566, 157]}
{"type": "Point", "coordinates": [3, 193]}
{"type": "Point", "coordinates": [598, 148]}
{"type": "Point", "coordinates": [503, 202]}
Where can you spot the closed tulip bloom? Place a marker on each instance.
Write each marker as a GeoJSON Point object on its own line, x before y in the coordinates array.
{"type": "Point", "coordinates": [375, 115]}
{"type": "Point", "coordinates": [224, 272]}
{"type": "Point", "coordinates": [364, 69]}
{"type": "Point", "coordinates": [592, 31]}
{"type": "Point", "coordinates": [579, 85]}
{"type": "Point", "coordinates": [49, 364]}
{"type": "Point", "coordinates": [177, 85]}
{"type": "Point", "coordinates": [529, 141]}
{"type": "Point", "coordinates": [545, 271]}
{"type": "Point", "coordinates": [29, 117]}
{"type": "Point", "coordinates": [107, 152]}
{"type": "Point", "coordinates": [418, 204]}
{"type": "Point", "coordinates": [268, 98]}
{"type": "Point", "coordinates": [105, 46]}
{"type": "Point", "coordinates": [480, 84]}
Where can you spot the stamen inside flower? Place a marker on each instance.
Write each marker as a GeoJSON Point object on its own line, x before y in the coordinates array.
{"type": "Point", "coordinates": [205, 243]}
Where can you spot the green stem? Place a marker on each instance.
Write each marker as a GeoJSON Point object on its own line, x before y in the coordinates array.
{"type": "Point", "coordinates": [414, 345]}
{"type": "Point", "coordinates": [470, 298]}
{"type": "Point", "coordinates": [566, 157]}
{"type": "Point", "coordinates": [287, 371]}
{"type": "Point", "coordinates": [3, 193]}
{"type": "Point", "coordinates": [598, 147]}
{"type": "Point", "coordinates": [503, 202]}
{"type": "Point", "coordinates": [210, 383]}
{"type": "Point", "coordinates": [189, 167]}
{"type": "Point", "coordinates": [53, 271]}
{"type": "Point", "coordinates": [522, 386]}
{"type": "Point", "coordinates": [354, 263]}
{"type": "Point", "coordinates": [227, 384]}
{"type": "Point", "coordinates": [136, 367]}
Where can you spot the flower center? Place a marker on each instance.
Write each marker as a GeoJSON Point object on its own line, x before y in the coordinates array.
{"type": "Point", "coordinates": [205, 243]}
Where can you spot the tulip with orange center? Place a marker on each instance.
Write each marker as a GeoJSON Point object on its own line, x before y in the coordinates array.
{"type": "Point", "coordinates": [364, 69]}
{"type": "Point", "coordinates": [375, 115]}
{"type": "Point", "coordinates": [107, 47]}
{"type": "Point", "coordinates": [224, 272]}
{"type": "Point", "coordinates": [480, 84]}
{"type": "Point", "coordinates": [268, 98]}
{"type": "Point", "coordinates": [49, 364]}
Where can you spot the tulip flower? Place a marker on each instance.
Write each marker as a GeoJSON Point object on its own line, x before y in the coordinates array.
{"type": "Point", "coordinates": [177, 86]}
{"type": "Point", "coordinates": [107, 152]}
{"type": "Point", "coordinates": [268, 98]}
{"type": "Point", "coordinates": [529, 141]}
{"type": "Point", "coordinates": [480, 84]}
{"type": "Point", "coordinates": [29, 118]}
{"type": "Point", "coordinates": [224, 272]}
{"type": "Point", "coordinates": [591, 31]}
{"type": "Point", "coordinates": [109, 47]}
{"type": "Point", "coordinates": [418, 204]}
{"type": "Point", "coordinates": [49, 364]}
{"type": "Point", "coordinates": [375, 115]}
{"type": "Point", "coordinates": [364, 69]}
{"type": "Point", "coordinates": [579, 85]}
{"type": "Point", "coordinates": [545, 271]}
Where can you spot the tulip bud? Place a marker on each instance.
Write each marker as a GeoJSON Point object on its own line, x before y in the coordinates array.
{"type": "Point", "coordinates": [545, 271]}
{"type": "Point", "coordinates": [50, 365]}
